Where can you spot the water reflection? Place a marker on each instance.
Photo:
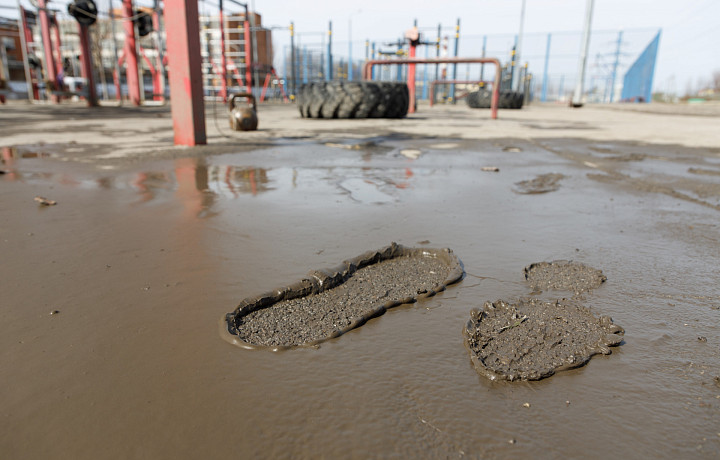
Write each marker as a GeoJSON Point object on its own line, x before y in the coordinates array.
{"type": "Point", "coordinates": [198, 183]}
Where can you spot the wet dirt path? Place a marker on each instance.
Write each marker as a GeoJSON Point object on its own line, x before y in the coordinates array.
{"type": "Point", "coordinates": [141, 260]}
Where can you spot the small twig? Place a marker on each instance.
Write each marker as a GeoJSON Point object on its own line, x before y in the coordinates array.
{"type": "Point", "coordinates": [510, 326]}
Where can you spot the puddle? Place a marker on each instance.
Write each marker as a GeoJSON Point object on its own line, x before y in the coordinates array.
{"type": "Point", "coordinates": [366, 191]}
{"type": "Point", "coordinates": [141, 277]}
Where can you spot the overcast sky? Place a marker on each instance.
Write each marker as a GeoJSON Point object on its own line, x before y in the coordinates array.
{"type": "Point", "coordinates": [688, 46]}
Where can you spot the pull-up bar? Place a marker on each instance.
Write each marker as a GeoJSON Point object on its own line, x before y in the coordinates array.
{"type": "Point", "coordinates": [367, 74]}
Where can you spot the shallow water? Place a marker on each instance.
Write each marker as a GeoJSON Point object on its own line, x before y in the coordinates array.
{"type": "Point", "coordinates": [142, 260]}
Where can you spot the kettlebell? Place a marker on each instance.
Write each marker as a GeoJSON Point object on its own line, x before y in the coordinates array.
{"type": "Point", "coordinates": [243, 117]}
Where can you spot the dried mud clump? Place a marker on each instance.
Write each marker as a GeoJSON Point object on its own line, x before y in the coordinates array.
{"type": "Point", "coordinates": [563, 275]}
{"type": "Point", "coordinates": [543, 183]}
{"type": "Point", "coordinates": [330, 302]}
{"type": "Point", "coordinates": [534, 339]}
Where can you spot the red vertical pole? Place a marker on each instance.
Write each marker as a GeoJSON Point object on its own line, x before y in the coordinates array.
{"type": "Point", "coordinates": [223, 60]}
{"type": "Point", "coordinates": [28, 40]}
{"type": "Point", "coordinates": [133, 81]}
{"type": "Point", "coordinates": [58, 52]}
{"type": "Point", "coordinates": [411, 78]}
{"type": "Point", "coordinates": [86, 61]}
{"type": "Point", "coordinates": [248, 52]}
{"type": "Point", "coordinates": [47, 46]}
{"type": "Point", "coordinates": [158, 69]}
{"type": "Point", "coordinates": [186, 84]}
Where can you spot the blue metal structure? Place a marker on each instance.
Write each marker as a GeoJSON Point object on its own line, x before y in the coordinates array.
{"type": "Point", "coordinates": [543, 96]}
{"type": "Point", "coordinates": [637, 84]}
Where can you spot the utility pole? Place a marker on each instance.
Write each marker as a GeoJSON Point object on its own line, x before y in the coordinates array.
{"type": "Point", "coordinates": [515, 86]}
{"type": "Point", "coordinates": [582, 63]}
{"type": "Point", "coordinates": [293, 87]}
{"type": "Point", "coordinates": [329, 70]}
{"type": "Point", "coordinates": [615, 66]}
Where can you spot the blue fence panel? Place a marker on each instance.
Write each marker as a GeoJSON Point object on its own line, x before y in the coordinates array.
{"type": "Point", "coordinates": [637, 84]}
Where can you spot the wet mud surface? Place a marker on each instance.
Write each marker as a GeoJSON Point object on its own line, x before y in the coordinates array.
{"type": "Point", "coordinates": [142, 255]}
{"type": "Point", "coordinates": [331, 302]}
{"type": "Point", "coordinates": [563, 275]}
{"type": "Point", "coordinates": [543, 183]}
{"type": "Point", "coordinates": [532, 339]}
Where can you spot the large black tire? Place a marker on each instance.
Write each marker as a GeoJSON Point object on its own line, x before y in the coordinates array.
{"type": "Point", "coordinates": [353, 99]}
{"type": "Point", "coordinates": [481, 99]}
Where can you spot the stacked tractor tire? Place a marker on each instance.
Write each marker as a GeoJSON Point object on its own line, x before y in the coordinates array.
{"type": "Point", "coordinates": [481, 99]}
{"type": "Point", "coordinates": [353, 99]}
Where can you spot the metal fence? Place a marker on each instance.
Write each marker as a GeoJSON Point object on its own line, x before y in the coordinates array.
{"type": "Point", "coordinates": [551, 60]}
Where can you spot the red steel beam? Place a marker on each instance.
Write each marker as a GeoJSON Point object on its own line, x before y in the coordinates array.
{"type": "Point", "coordinates": [133, 80]}
{"type": "Point", "coordinates": [367, 72]}
{"type": "Point", "coordinates": [411, 79]}
{"type": "Point", "coordinates": [28, 45]}
{"type": "Point", "coordinates": [57, 45]}
{"type": "Point", "coordinates": [86, 61]}
{"type": "Point", "coordinates": [186, 83]}
{"type": "Point", "coordinates": [248, 52]}
{"type": "Point", "coordinates": [47, 47]}
{"type": "Point", "coordinates": [223, 59]}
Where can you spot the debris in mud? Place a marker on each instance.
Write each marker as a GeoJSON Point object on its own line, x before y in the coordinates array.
{"type": "Point", "coordinates": [563, 275]}
{"type": "Point", "coordinates": [490, 169]}
{"type": "Point", "coordinates": [534, 339]}
{"type": "Point", "coordinates": [330, 302]}
{"type": "Point", "coordinates": [512, 149]}
{"type": "Point", "coordinates": [541, 184]}
{"type": "Point", "coordinates": [44, 201]}
{"type": "Point", "coordinates": [412, 154]}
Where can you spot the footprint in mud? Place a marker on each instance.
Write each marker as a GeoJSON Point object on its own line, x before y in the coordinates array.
{"type": "Point", "coordinates": [330, 302]}
{"type": "Point", "coordinates": [534, 339]}
{"type": "Point", "coordinates": [541, 184]}
{"type": "Point", "coordinates": [563, 275]}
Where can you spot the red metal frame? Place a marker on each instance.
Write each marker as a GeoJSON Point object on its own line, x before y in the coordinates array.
{"type": "Point", "coordinates": [248, 52]}
{"type": "Point", "coordinates": [367, 73]}
{"type": "Point", "coordinates": [411, 78]}
{"type": "Point", "coordinates": [86, 62]}
{"type": "Point", "coordinates": [268, 76]}
{"type": "Point", "coordinates": [131, 73]}
{"type": "Point", "coordinates": [57, 48]}
{"type": "Point", "coordinates": [450, 82]}
{"type": "Point", "coordinates": [157, 90]}
{"type": "Point", "coordinates": [186, 82]}
{"type": "Point", "coordinates": [28, 42]}
{"type": "Point", "coordinates": [223, 60]}
{"type": "Point", "coordinates": [157, 75]}
{"type": "Point", "coordinates": [48, 48]}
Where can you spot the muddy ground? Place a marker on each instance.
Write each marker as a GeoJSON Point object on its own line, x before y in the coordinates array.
{"type": "Point", "coordinates": [111, 298]}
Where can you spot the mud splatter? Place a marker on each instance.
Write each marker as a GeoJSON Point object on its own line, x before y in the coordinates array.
{"type": "Point", "coordinates": [563, 275]}
{"type": "Point", "coordinates": [541, 184]}
{"type": "Point", "coordinates": [533, 339]}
